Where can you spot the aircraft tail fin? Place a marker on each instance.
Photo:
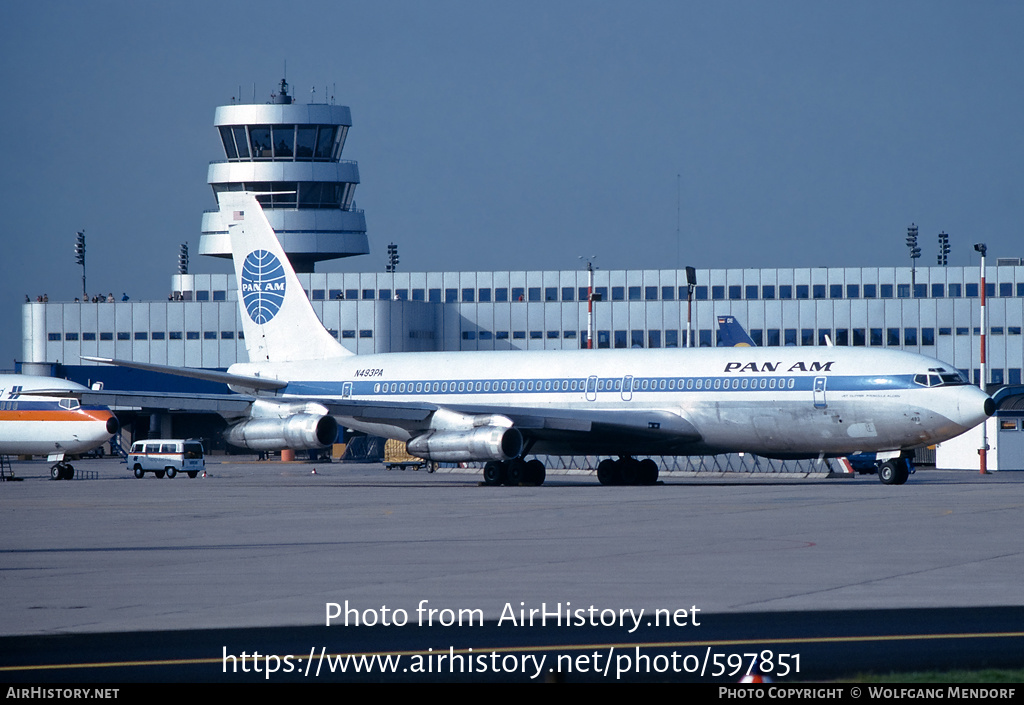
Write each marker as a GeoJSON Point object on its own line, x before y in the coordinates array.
{"type": "Point", "coordinates": [733, 335]}
{"type": "Point", "coordinates": [280, 324]}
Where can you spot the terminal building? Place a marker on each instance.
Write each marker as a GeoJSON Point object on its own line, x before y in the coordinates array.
{"type": "Point", "coordinates": [293, 154]}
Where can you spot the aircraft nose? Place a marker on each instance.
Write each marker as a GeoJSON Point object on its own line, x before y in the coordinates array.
{"type": "Point", "coordinates": [974, 406]}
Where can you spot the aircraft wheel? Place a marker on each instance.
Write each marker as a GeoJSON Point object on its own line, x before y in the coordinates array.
{"type": "Point", "coordinates": [192, 474]}
{"type": "Point", "coordinates": [630, 471]}
{"type": "Point", "coordinates": [56, 472]}
{"type": "Point", "coordinates": [139, 472]}
{"type": "Point", "coordinates": [648, 474]}
{"type": "Point", "coordinates": [902, 471]}
{"type": "Point", "coordinates": [171, 472]}
{"type": "Point", "coordinates": [516, 474]}
{"type": "Point", "coordinates": [69, 472]}
{"type": "Point", "coordinates": [608, 472]}
{"type": "Point", "coordinates": [536, 473]}
{"type": "Point", "coordinates": [159, 474]}
{"type": "Point", "coordinates": [431, 465]}
{"type": "Point", "coordinates": [494, 473]}
{"type": "Point", "coordinates": [887, 473]}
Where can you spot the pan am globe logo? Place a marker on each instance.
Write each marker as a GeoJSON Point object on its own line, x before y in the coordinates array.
{"type": "Point", "coordinates": [262, 286]}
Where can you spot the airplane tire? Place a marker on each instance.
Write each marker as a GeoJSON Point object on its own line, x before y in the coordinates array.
{"type": "Point", "coordinates": [536, 473]}
{"type": "Point", "coordinates": [69, 472]}
{"type": "Point", "coordinates": [171, 472]}
{"type": "Point", "coordinates": [630, 471]}
{"type": "Point", "coordinates": [887, 473]}
{"type": "Point", "coordinates": [516, 474]}
{"type": "Point", "coordinates": [56, 473]}
{"type": "Point", "coordinates": [902, 471]}
{"type": "Point", "coordinates": [139, 472]}
{"type": "Point", "coordinates": [608, 472]}
{"type": "Point", "coordinates": [648, 472]}
{"type": "Point", "coordinates": [159, 474]}
{"type": "Point", "coordinates": [494, 473]}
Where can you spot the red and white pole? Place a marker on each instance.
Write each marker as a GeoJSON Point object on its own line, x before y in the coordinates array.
{"type": "Point", "coordinates": [590, 306]}
{"type": "Point", "coordinates": [983, 451]}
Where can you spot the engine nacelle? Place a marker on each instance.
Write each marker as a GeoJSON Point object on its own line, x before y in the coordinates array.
{"type": "Point", "coordinates": [298, 432]}
{"type": "Point", "coordinates": [481, 443]}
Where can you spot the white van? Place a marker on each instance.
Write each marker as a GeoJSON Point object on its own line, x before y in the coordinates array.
{"type": "Point", "coordinates": [162, 456]}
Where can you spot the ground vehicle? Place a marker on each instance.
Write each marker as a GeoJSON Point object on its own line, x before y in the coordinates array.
{"type": "Point", "coordinates": [396, 456]}
{"type": "Point", "coordinates": [164, 456]}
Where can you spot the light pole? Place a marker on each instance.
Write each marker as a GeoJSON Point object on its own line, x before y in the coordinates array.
{"type": "Point", "coordinates": [915, 253]}
{"type": "Point", "coordinates": [80, 258]}
{"type": "Point", "coordinates": [590, 300]}
{"type": "Point", "coordinates": [691, 282]}
{"type": "Point", "coordinates": [983, 451]}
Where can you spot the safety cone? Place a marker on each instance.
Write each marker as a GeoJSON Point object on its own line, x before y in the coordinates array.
{"type": "Point", "coordinates": [314, 472]}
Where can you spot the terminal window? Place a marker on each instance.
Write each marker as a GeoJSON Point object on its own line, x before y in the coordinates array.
{"type": "Point", "coordinates": [927, 336]}
{"type": "Point", "coordinates": [819, 291]}
{"type": "Point", "coordinates": [141, 335]}
{"type": "Point", "coordinates": [807, 336]}
{"type": "Point", "coordinates": [468, 295]}
{"type": "Point", "coordinates": [634, 293]}
{"type": "Point", "coordinates": [318, 295]}
{"type": "Point", "coordinates": [785, 291]}
{"type": "Point", "coordinates": [651, 293]}
{"type": "Point", "coordinates": [620, 339]}
{"type": "Point", "coordinates": [1006, 289]}
{"type": "Point", "coordinates": [963, 331]}
{"type": "Point", "coordinates": [852, 291]}
{"type": "Point", "coordinates": [92, 336]}
{"type": "Point", "coordinates": [668, 293]}
{"type": "Point", "coordinates": [972, 290]}
{"type": "Point", "coordinates": [451, 296]}
{"type": "Point", "coordinates": [803, 291]}
{"type": "Point", "coordinates": [485, 335]}
{"type": "Point", "coordinates": [568, 293]}
{"type": "Point", "coordinates": [938, 291]}
{"type": "Point", "coordinates": [870, 291]}
{"type": "Point", "coordinates": [190, 335]}
{"type": "Point", "coordinates": [886, 291]}
{"type": "Point", "coordinates": [501, 294]}
{"type": "Point", "coordinates": [858, 337]}
{"type": "Point", "coordinates": [174, 335]}
{"type": "Point", "coordinates": [920, 291]}
{"type": "Point", "coordinates": [123, 335]}
{"type": "Point", "coordinates": [701, 293]}
{"type": "Point", "coordinates": [202, 296]}
{"type": "Point", "coordinates": [892, 336]}
{"type": "Point", "coordinates": [822, 333]}
{"type": "Point", "coordinates": [618, 293]}
{"type": "Point", "coordinates": [501, 335]}
{"type": "Point", "coordinates": [903, 291]}
{"type": "Point", "coordinates": [366, 333]}
{"type": "Point", "coordinates": [483, 295]}
{"type": "Point", "coordinates": [789, 336]}
{"type": "Point", "coordinates": [552, 335]}
{"type": "Point", "coordinates": [842, 337]}
{"type": "Point", "coordinates": [734, 292]}
{"type": "Point", "coordinates": [533, 293]}
{"type": "Point", "coordinates": [209, 335]}
{"type": "Point", "coordinates": [773, 337]}
{"type": "Point", "coordinates": [434, 296]}
{"type": "Point", "coordinates": [717, 292]}
{"type": "Point", "coordinates": [519, 335]}
{"type": "Point", "coordinates": [227, 335]}
{"type": "Point", "coordinates": [53, 336]}
{"type": "Point", "coordinates": [953, 290]}
{"type": "Point", "coordinates": [418, 294]}
{"type": "Point", "coordinates": [876, 336]}
{"type": "Point", "coordinates": [220, 295]}
{"type": "Point", "coordinates": [385, 294]}
{"type": "Point", "coordinates": [604, 338]}
{"type": "Point", "coordinates": [671, 339]}
{"type": "Point", "coordinates": [348, 334]}
{"type": "Point", "coordinates": [654, 338]}
{"type": "Point", "coordinates": [551, 293]}
{"type": "Point", "coordinates": [401, 294]}
{"type": "Point", "coordinates": [835, 291]}
{"type": "Point", "coordinates": [536, 335]}
{"type": "Point", "coordinates": [767, 292]}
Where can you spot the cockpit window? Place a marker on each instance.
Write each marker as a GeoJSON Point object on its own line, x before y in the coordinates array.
{"type": "Point", "coordinates": [940, 377]}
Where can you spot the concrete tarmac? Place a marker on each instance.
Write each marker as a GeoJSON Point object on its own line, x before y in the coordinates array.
{"type": "Point", "coordinates": [271, 544]}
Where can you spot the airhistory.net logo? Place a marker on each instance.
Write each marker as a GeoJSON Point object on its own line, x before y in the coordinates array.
{"type": "Point", "coordinates": [263, 284]}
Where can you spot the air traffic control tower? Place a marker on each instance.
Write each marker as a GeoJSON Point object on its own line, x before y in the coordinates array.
{"type": "Point", "coordinates": [293, 154]}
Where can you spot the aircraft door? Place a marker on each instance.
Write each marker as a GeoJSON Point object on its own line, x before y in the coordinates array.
{"type": "Point", "coordinates": [819, 392]}
{"type": "Point", "coordinates": [627, 387]}
{"type": "Point", "coordinates": [346, 390]}
{"type": "Point", "coordinates": [592, 388]}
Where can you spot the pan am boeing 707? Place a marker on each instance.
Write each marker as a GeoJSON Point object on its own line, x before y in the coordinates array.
{"type": "Point", "coordinates": [499, 407]}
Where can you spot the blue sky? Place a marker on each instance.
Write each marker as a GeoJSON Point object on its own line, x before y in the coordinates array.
{"type": "Point", "coordinates": [521, 135]}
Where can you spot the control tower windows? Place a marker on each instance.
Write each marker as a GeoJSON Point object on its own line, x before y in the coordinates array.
{"type": "Point", "coordinates": [288, 143]}
{"type": "Point", "coordinates": [284, 141]}
{"type": "Point", "coordinates": [305, 142]}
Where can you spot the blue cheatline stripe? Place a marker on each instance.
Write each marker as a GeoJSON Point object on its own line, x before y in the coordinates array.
{"type": "Point", "coordinates": [606, 385]}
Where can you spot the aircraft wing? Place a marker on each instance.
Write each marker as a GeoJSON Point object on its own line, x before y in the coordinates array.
{"type": "Point", "coordinates": [196, 373]}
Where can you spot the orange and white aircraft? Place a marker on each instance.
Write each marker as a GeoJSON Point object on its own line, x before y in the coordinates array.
{"type": "Point", "coordinates": [42, 415]}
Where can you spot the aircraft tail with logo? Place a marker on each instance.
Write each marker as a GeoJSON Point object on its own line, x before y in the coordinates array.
{"type": "Point", "coordinates": [733, 335]}
{"type": "Point", "coordinates": [279, 322]}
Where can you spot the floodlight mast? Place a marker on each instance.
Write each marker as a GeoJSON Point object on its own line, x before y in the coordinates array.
{"type": "Point", "coordinates": [983, 451]}
{"type": "Point", "coordinates": [80, 258]}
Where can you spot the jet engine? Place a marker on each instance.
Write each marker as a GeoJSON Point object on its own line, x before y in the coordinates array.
{"type": "Point", "coordinates": [480, 443]}
{"type": "Point", "coordinates": [298, 432]}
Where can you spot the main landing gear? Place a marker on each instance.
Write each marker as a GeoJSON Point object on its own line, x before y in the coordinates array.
{"type": "Point", "coordinates": [627, 471]}
{"type": "Point", "coordinates": [514, 472]}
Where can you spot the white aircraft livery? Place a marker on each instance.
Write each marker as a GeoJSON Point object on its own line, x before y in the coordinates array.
{"type": "Point", "coordinates": [42, 416]}
{"type": "Point", "coordinates": [499, 407]}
